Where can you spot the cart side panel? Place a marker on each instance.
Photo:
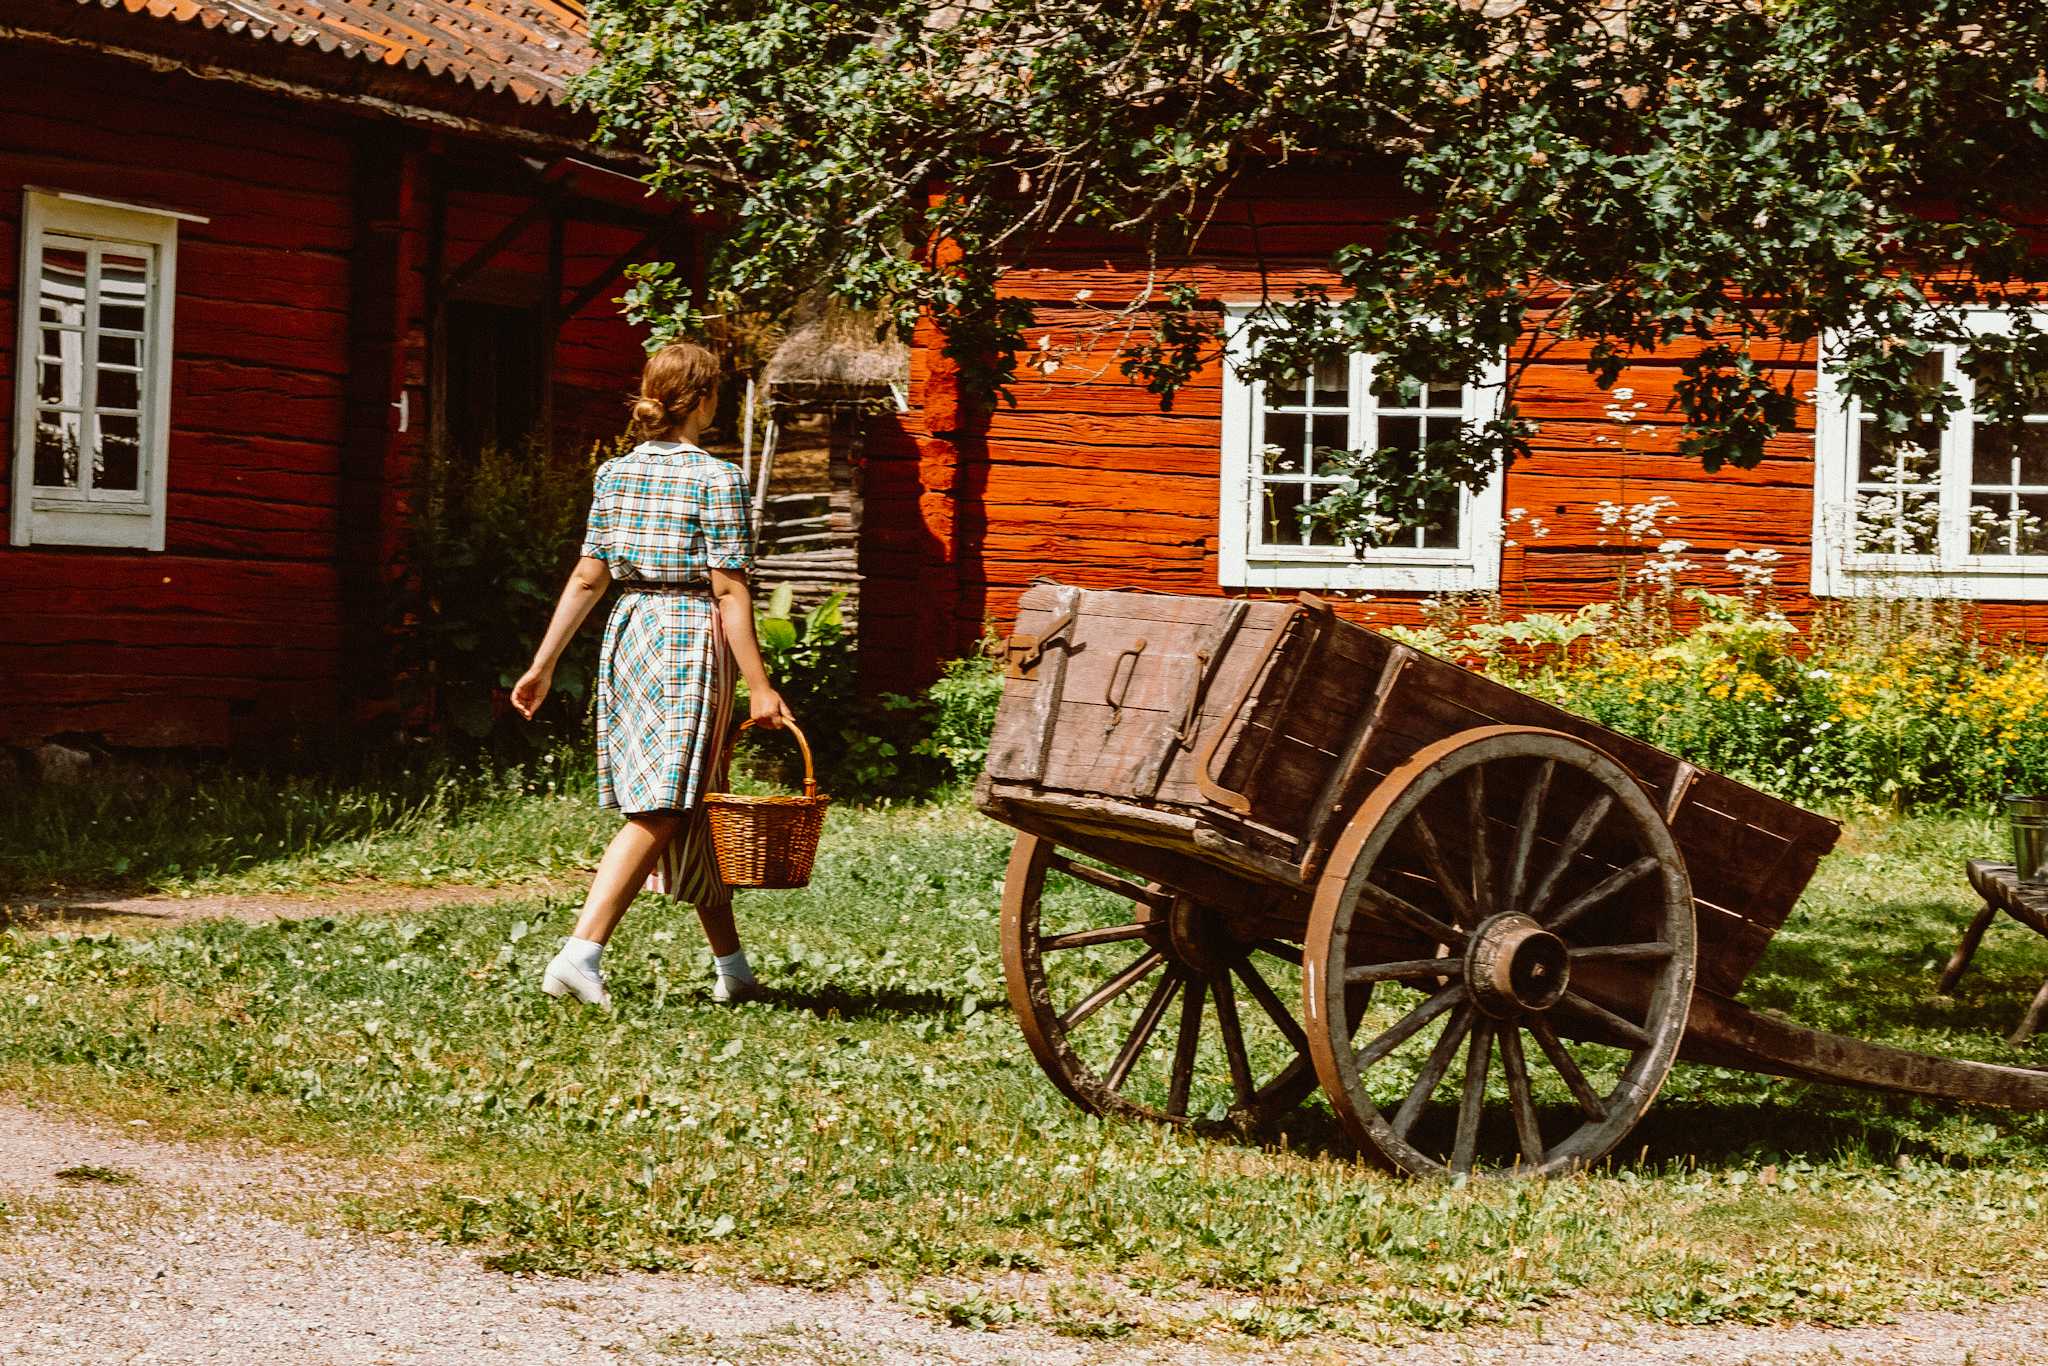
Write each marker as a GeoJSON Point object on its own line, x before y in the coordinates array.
{"type": "Point", "coordinates": [1750, 855]}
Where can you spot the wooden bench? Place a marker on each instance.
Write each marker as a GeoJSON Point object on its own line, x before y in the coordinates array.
{"type": "Point", "coordinates": [2000, 886]}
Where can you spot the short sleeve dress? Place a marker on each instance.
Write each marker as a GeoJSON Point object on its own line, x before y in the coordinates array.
{"type": "Point", "coordinates": [662, 517]}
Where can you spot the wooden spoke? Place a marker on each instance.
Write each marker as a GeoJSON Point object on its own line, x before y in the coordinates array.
{"type": "Point", "coordinates": [1409, 1025]}
{"type": "Point", "coordinates": [1574, 840]}
{"type": "Point", "coordinates": [1455, 1030]}
{"type": "Point", "coordinates": [1270, 1003]}
{"type": "Point", "coordinates": [1233, 1039]}
{"type": "Point", "coordinates": [1568, 1067]}
{"type": "Point", "coordinates": [1478, 1062]}
{"type": "Point", "coordinates": [1519, 1100]}
{"type": "Point", "coordinates": [1462, 910]}
{"type": "Point", "coordinates": [1655, 951]}
{"type": "Point", "coordinates": [1183, 1078]}
{"type": "Point", "coordinates": [1142, 1032]}
{"type": "Point", "coordinates": [1525, 833]}
{"type": "Point", "coordinates": [1482, 853]}
{"type": "Point", "coordinates": [1632, 1034]}
{"type": "Point", "coordinates": [1599, 892]}
{"type": "Point", "coordinates": [1108, 882]}
{"type": "Point", "coordinates": [1280, 949]}
{"type": "Point", "coordinates": [1113, 988]}
{"type": "Point", "coordinates": [1414, 917]}
{"type": "Point", "coordinates": [1107, 934]}
{"type": "Point", "coordinates": [1406, 970]}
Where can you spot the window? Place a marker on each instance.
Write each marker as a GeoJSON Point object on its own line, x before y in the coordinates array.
{"type": "Point", "coordinates": [1272, 437]}
{"type": "Point", "coordinates": [1958, 512]}
{"type": "Point", "coordinates": [92, 388]}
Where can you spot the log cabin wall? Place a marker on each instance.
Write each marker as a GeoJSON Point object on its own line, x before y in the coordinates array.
{"type": "Point", "coordinates": [1085, 478]}
{"type": "Point", "coordinates": [302, 317]}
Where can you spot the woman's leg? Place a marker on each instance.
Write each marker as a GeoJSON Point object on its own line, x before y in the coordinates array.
{"type": "Point", "coordinates": [719, 929]}
{"type": "Point", "coordinates": [627, 861]}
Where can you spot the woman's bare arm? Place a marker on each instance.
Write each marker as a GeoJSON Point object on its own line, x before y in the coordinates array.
{"type": "Point", "coordinates": [736, 613]}
{"type": "Point", "coordinates": [587, 582]}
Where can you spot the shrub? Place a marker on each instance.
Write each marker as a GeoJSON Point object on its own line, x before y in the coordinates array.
{"type": "Point", "coordinates": [491, 540]}
{"type": "Point", "coordinates": [961, 714]}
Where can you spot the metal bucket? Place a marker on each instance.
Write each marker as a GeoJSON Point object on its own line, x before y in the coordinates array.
{"type": "Point", "coordinates": [2029, 817]}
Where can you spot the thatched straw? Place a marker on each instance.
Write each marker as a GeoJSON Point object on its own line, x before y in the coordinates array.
{"type": "Point", "coordinates": [837, 354]}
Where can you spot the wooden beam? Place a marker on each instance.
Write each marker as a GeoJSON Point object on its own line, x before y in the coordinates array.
{"type": "Point", "coordinates": [610, 270]}
{"type": "Point", "coordinates": [541, 207]}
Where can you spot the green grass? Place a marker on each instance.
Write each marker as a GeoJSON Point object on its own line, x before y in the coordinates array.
{"type": "Point", "coordinates": [878, 1112]}
{"type": "Point", "coordinates": [234, 831]}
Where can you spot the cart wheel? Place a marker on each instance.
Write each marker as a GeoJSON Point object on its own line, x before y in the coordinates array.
{"type": "Point", "coordinates": [1505, 884]}
{"type": "Point", "coordinates": [1097, 963]}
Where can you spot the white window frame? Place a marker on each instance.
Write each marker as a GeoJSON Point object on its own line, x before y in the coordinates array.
{"type": "Point", "coordinates": [1472, 565]}
{"type": "Point", "coordinates": [1841, 570]}
{"type": "Point", "coordinates": [124, 519]}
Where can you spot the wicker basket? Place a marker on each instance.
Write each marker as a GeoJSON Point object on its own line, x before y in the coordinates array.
{"type": "Point", "coordinates": [767, 841]}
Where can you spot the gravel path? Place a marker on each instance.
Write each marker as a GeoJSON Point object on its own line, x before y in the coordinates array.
{"type": "Point", "coordinates": [101, 912]}
{"type": "Point", "coordinates": [198, 1254]}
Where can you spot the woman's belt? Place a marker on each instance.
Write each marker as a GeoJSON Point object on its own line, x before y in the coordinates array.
{"type": "Point", "coordinates": [663, 589]}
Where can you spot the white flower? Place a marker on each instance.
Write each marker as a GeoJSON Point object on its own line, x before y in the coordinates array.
{"type": "Point", "coordinates": [1624, 395]}
{"type": "Point", "coordinates": [1082, 296]}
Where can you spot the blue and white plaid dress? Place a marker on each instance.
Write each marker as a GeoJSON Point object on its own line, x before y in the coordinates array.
{"type": "Point", "coordinates": [663, 516]}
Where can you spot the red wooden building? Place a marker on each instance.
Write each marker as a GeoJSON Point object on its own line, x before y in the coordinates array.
{"type": "Point", "coordinates": [1084, 478]}
{"type": "Point", "coordinates": [254, 255]}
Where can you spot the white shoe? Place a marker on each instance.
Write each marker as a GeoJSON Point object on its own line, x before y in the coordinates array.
{"type": "Point", "coordinates": [566, 979]}
{"type": "Point", "coordinates": [728, 992]}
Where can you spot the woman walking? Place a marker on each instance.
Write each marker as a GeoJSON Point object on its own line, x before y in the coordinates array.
{"type": "Point", "coordinates": [669, 522]}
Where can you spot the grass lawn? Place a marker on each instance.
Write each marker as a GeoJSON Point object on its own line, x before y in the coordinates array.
{"type": "Point", "coordinates": [878, 1113]}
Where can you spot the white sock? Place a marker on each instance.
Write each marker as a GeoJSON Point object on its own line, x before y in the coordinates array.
{"type": "Point", "coordinates": [581, 953]}
{"type": "Point", "coordinates": [733, 967]}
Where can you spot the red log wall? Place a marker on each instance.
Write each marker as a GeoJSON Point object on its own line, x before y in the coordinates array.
{"type": "Point", "coordinates": [1086, 479]}
{"type": "Point", "coordinates": [300, 314]}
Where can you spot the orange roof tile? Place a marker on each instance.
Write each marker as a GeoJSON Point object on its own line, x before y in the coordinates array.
{"type": "Point", "coordinates": [526, 48]}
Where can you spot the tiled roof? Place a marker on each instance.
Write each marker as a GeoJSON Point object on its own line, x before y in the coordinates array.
{"type": "Point", "coordinates": [527, 48]}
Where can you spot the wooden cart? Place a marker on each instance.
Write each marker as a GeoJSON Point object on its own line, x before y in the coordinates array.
{"type": "Point", "coordinates": [1223, 799]}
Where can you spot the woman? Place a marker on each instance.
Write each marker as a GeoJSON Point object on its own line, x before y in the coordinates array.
{"type": "Point", "coordinates": [669, 522]}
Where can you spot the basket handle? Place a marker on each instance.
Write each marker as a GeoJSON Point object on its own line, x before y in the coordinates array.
{"type": "Point", "coordinates": [810, 772]}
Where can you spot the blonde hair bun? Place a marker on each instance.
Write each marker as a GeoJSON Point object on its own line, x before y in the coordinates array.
{"type": "Point", "coordinates": [675, 380]}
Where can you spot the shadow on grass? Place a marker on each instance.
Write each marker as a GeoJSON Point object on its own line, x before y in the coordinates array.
{"type": "Point", "coordinates": [844, 1003]}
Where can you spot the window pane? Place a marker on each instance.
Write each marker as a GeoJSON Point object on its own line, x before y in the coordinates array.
{"type": "Point", "coordinates": [124, 285]}
{"type": "Point", "coordinates": [1898, 521]}
{"type": "Point", "coordinates": [118, 464]}
{"type": "Point", "coordinates": [1320, 532]}
{"type": "Point", "coordinates": [118, 350]}
{"type": "Point", "coordinates": [1441, 429]}
{"type": "Point", "coordinates": [1998, 447]}
{"type": "Point", "coordinates": [1286, 435]}
{"type": "Point", "coordinates": [1909, 457]}
{"type": "Point", "coordinates": [118, 389]}
{"type": "Point", "coordinates": [1333, 381]}
{"type": "Point", "coordinates": [1440, 518]}
{"type": "Point", "coordinates": [1332, 434]}
{"type": "Point", "coordinates": [57, 442]}
{"type": "Point", "coordinates": [2030, 524]}
{"type": "Point", "coordinates": [63, 286]}
{"type": "Point", "coordinates": [62, 379]}
{"type": "Point", "coordinates": [1282, 524]}
{"type": "Point", "coordinates": [1991, 524]}
{"type": "Point", "coordinates": [1402, 433]}
{"type": "Point", "coordinates": [1446, 394]}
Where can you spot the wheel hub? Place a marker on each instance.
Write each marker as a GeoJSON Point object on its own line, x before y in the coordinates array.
{"type": "Point", "coordinates": [1196, 938]}
{"type": "Point", "coordinates": [1513, 966]}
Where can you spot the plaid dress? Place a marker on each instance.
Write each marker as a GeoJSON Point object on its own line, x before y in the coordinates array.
{"type": "Point", "coordinates": [663, 516]}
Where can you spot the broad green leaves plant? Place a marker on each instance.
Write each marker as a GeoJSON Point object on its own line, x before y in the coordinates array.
{"type": "Point", "coordinates": [1715, 181]}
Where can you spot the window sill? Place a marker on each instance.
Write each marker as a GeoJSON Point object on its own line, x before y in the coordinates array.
{"type": "Point", "coordinates": [2017, 580]}
{"type": "Point", "coordinates": [1444, 573]}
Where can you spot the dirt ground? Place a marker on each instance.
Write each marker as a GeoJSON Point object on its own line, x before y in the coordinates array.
{"type": "Point", "coordinates": [105, 912]}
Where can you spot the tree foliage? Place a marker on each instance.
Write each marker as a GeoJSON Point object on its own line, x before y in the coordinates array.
{"type": "Point", "coordinates": [1719, 179]}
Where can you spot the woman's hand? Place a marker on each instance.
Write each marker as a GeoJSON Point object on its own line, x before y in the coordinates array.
{"type": "Point", "coordinates": [766, 708]}
{"type": "Point", "coordinates": [532, 689]}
